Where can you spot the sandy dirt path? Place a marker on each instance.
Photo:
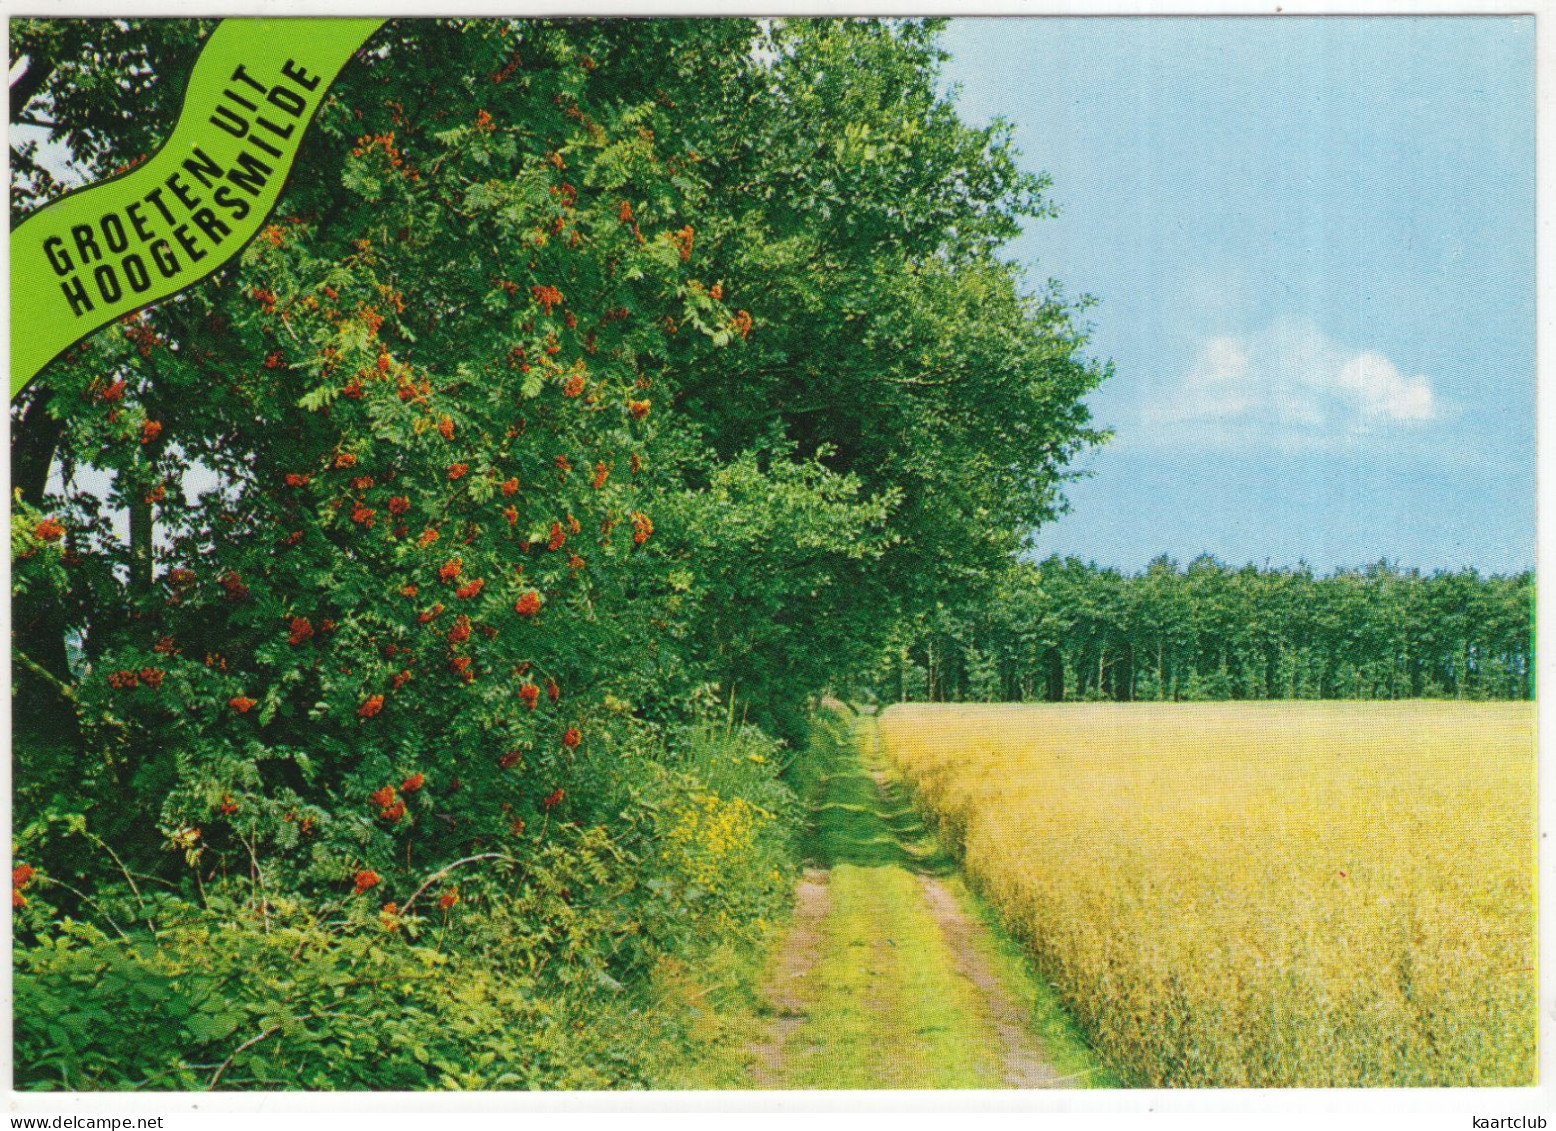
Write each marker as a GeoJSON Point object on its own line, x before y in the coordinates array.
{"type": "Point", "coordinates": [885, 979]}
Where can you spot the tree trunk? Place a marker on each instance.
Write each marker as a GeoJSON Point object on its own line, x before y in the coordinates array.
{"type": "Point", "coordinates": [32, 447]}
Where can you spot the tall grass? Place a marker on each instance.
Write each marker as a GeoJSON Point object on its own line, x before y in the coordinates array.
{"type": "Point", "coordinates": [1259, 895]}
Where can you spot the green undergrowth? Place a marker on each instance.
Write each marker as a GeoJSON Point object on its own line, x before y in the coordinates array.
{"type": "Point", "coordinates": [618, 954]}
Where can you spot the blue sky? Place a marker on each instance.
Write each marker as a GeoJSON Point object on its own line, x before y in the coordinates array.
{"type": "Point", "coordinates": [1312, 242]}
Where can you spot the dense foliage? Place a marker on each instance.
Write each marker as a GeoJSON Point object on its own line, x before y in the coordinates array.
{"type": "Point", "coordinates": [372, 598]}
{"type": "Point", "coordinates": [1066, 630]}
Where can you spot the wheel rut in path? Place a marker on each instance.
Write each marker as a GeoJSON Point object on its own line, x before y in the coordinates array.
{"type": "Point", "coordinates": [787, 990]}
{"type": "Point", "coordinates": [1023, 1060]}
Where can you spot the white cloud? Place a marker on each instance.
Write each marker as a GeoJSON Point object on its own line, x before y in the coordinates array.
{"type": "Point", "coordinates": [1384, 391]}
{"type": "Point", "coordinates": [1291, 384]}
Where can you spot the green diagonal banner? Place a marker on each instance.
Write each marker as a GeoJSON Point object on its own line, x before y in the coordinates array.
{"type": "Point", "coordinates": [107, 250]}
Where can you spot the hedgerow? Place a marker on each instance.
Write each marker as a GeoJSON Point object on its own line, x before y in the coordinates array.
{"type": "Point", "coordinates": [372, 599]}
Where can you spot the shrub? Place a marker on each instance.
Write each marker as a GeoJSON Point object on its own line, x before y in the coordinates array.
{"type": "Point", "coordinates": [501, 974]}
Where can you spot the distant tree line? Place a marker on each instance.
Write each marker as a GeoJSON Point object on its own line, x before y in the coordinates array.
{"type": "Point", "coordinates": [1067, 630]}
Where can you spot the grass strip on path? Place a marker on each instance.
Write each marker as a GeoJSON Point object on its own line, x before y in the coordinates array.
{"type": "Point", "coordinates": [912, 984]}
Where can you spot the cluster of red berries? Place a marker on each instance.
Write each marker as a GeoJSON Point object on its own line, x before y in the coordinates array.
{"type": "Point", "coordinates": [390, 807]}
{"type": "Point", "coordinates": [385, 141]}
{"type": "Point", "coordinates": [547, 296]}
{"type": "Point", "coordinates": [683, 242]}
{"type": "Point", "coordinates": [139, 331]}
{"type": "Point", "coordinates": [370, 707]}
{"type": "Point", "coordinates": [49, 530]}
{"type": "Point", "coordinates": [507, 68]}
{"type": "Point", "coordinates": [21, 876]}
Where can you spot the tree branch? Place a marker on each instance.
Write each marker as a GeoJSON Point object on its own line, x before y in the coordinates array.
{"type": "Point", "coordinates": [445, 870]}
{"type": "Point", "coordinates": [65, 691]}
{"type": "Point", "coordinates": [28, 83]}
{"type": "Point", "coordinates": [244, 1047]}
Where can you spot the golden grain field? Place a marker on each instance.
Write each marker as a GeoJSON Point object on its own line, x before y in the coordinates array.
{"type": "Point", "coordinates": [1259, 894]}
